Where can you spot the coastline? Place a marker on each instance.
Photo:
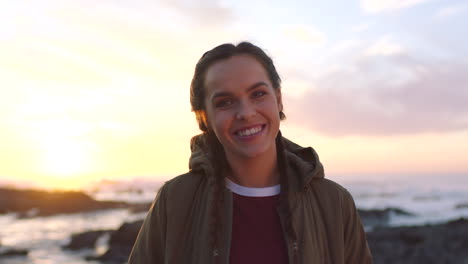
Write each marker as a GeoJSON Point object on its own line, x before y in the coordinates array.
{"type": "Point", "coordinates": [444, 242]}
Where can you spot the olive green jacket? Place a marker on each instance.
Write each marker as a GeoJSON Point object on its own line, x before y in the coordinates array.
{"type": "Point", "coordinates": [177, 227]}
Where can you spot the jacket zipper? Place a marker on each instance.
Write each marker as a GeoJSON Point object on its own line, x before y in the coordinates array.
{"type": "Point", "coordinates": [295, 252]}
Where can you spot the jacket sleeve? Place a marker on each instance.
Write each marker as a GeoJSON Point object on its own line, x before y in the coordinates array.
{"type": "Point", "coordinates": [149, 247]}
{"type": "Point", "coordinates": [356, 247]}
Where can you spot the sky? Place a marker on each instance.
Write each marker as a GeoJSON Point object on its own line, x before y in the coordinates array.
{"type": "Point", "coordinates": [93, 90]}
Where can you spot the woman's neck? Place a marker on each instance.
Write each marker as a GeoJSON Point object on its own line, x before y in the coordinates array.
{"type": "Point", "coordinates": [259, 171]}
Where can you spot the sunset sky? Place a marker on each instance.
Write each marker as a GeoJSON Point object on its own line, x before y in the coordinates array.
{"type": "Point", "coordinates": [94, 90]}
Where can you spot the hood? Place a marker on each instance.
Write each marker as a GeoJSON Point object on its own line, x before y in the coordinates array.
{"type": "Point", "coordinates": [303, 163]}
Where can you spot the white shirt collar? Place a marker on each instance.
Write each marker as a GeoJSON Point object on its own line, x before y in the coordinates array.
{"type": "Point", "coordinates": [252, 192]}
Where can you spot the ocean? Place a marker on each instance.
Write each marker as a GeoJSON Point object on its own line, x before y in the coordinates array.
{"type": "Point", "coordinates": [429, 200]}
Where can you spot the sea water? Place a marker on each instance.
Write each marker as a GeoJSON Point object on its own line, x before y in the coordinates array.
{"type": "Point", "coordinates": [45, 236]}
{"type": "Point", "coordinates": [430, 199]}
{"type": "Point", "coordinates": [434, 199]}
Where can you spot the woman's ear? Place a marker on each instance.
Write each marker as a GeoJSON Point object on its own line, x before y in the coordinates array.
{"type": "Point", "coordinates": [279, 100]}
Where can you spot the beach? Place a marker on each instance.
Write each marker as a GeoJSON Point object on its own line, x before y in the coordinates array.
{"type": "Point", "coordinates": [406, 222]}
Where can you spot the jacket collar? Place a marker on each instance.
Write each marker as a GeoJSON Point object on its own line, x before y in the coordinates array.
{"type": "Point", "coordinates": [303, 163]}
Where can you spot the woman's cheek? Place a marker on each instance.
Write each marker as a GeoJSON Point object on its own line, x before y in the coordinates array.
{"type": "Point", "coordinates": [222, 120]}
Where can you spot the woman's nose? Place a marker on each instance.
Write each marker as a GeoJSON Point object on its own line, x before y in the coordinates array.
{"type": "Point", "coordinates": [245, 111]}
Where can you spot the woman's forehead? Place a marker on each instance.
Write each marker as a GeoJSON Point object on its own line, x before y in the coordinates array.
{"type": "Point", "coordinates": [237, 72]}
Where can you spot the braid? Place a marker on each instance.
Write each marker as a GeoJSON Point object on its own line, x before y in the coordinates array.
{"type": "Point", "coordinates": [218, 161]}
{"type": "Point", "coordinates": [284, 182]}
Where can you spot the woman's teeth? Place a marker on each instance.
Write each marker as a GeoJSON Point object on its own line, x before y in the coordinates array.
{"type": "Point", "coordinates": [250, 131]}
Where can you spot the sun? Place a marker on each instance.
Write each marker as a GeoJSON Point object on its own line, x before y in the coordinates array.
{"type": "Point", "coordinates": [65, 158]}
{"type": "Point", "coordinates": [63, 148]}
{"type": "Point", "coordinates": [63, 162]}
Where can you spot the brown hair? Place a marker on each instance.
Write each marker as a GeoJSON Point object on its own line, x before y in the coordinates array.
{"type": "Point", "coordinates": [218, 157]}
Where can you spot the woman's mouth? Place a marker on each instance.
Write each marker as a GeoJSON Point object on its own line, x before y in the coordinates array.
{"type": "Point", "coordinates": [251, 131]}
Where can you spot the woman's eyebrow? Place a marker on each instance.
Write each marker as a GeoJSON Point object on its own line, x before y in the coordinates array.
{"type": "Point", "coordinates": [255, 85]}
{"type": "Point", "coordinates": [224, 93]}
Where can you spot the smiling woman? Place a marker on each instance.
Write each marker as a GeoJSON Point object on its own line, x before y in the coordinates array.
{"type": "Point", "coordinates": [251, 196]}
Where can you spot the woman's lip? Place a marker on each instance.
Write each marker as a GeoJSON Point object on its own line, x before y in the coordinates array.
{"type": "Point", "coordinates": [262, 127]}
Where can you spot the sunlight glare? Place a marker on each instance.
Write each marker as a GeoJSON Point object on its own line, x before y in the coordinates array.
{"type": "Point", "coordinates": [64, 148]}
{"type": "Point", "coordinates": [64, 158]}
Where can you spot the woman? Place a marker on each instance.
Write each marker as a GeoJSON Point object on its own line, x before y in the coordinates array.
{"type": "Point", "coordinates": [251, 196]}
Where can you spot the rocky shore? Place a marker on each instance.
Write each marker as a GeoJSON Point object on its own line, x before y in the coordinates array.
{"type": "Point", "coordinates": [441, 243]}
{"type": "Point", "coordinates": [25, 203]}
{"type": "Point", "coordinates": [31, 203]}
{"type": "Point", "coordinates": [380, 218]}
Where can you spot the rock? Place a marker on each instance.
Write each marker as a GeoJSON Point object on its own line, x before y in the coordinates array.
{"type": "Point", "coordinates": [85, 239]}
{"type": "Point", "coordinates": [116, 254]}
{"type": "Point", "coordinates": [120, 243]}
{"type": "Point", "coordinates": [139, 208]}
{"type": "Point", "coordinates": [28, 214]}
{"type": "Point", "coordinates": [443, 243]}
{"type": "Point", "coordinates": [462, 206]}
{"type": "Point", "coordinates": [14, 252]}
{"type": "Point", "coordinates": [30, 203]}
{"type": "Point", "coordinates": [373, 218]}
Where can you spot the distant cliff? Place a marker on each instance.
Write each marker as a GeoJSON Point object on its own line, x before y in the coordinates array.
{"type": "Point", "coordinates": [30, 203]}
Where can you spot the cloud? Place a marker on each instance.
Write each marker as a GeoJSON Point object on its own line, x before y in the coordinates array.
{"type": "Point", "coordinates": [101, 39]}
{"type": "Point", "coordinates": [361, 27]}
{"type": "Point", "coordinates": [384, 46]}
{"type": "Point", "coordinates": [304, 34]}
{"type": "Point", "coordinates": [206, 13]}
{"type": "Point", "coordinates": [449, 11]}
{"type": "Point", "coordinates": [377, 6]}
{"type": "Point", "coordinates": [385, 95]}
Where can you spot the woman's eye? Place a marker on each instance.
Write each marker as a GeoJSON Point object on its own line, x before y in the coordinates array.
{"type": "Point", "coordinates": [223, 103]}
{"type": "Point", "coordinates": [258, 94]}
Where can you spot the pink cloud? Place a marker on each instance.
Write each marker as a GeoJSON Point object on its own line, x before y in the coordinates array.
{"type": "Point", "coordinates": [210, 13]}
{"type": "Point", "coordinates": [386, 95]}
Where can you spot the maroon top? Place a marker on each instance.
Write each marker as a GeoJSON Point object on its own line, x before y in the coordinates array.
{"type": "Point", "coordinates": [257, 236]}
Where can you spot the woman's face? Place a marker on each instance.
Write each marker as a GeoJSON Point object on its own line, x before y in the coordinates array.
{"type": "Point", "coordinates": [242, 107]}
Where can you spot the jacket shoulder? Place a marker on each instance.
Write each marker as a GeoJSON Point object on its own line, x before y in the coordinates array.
{"type": "Point", "coordinates": [333, 197]}
{"type": "Point", "coordinates": [166, 217]}
{"type": "Point", "coordinates": [328, 187]}
{"type": "Point", "coordinates": [182, 193]}
{"type": "Point", "coordinates": [184, 183]}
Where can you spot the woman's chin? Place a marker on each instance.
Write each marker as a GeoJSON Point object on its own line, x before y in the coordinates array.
{"type": "Point", "coordinates": [252, 152]}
